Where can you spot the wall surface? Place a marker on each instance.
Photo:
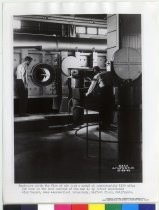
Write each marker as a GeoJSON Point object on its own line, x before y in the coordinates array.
{"type": "Point", "coordinates": [112, 36]}
{"type": "Point", "coordinates": [130, 31]}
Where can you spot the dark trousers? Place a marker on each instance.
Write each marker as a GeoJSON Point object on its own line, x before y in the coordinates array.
{"type": "Point", "coordinates": [23, 96]}
{"type": "Point", "coordinates": [106, 106]}
{"type": "Point", "coordinates": [102, 100]}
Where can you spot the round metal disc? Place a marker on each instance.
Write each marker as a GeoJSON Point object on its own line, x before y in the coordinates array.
{"type": "Point", "coordinates": [127, 63]}
{"type": "Point", "coordinates": [69, 62]}
{"type": "Point", "coordinates": [42, 74]}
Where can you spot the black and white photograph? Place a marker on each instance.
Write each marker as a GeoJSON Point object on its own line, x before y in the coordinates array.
{"type": "Point", "coordinates": [77, 98]}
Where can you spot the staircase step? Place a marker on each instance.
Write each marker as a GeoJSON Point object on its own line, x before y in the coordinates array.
{"type": "Point", "coordinates": [43, 121]}
{"type": "Point", "coordinates": [30, 123]}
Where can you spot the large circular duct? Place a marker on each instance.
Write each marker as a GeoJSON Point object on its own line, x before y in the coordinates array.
{"type": "Point", "coordinates": [127, 64]}
{"type": "Point", "coordinates": [69, 62]}
{"type": "Point", "coordinates": [43, 74]}
{"type": "Point", "coordinates": [58, 44]}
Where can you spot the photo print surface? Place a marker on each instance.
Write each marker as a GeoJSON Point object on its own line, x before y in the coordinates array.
{"type": "Point", "coordinates": [77, 98]}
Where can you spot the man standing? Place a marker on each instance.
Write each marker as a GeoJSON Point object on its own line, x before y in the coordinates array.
{"type": "Point", "coordinates": [102, 86]}
{"type": "Point", "coordinates": [22, 85]}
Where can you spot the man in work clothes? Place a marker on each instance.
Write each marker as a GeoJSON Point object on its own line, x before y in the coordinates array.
{"type": "Point", "coordinates": [22, 85]}
{"type": "Point", "coordinates": [102, 89]}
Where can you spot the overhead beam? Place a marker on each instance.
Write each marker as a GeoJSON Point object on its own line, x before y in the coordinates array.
{"type": "Point", "coordinates": [62, 19]}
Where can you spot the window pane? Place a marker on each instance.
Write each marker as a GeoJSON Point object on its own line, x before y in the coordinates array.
{"type": "Point", "coordinates": [17, 24]}
{"type": "Point", "coordinates": [91, 30]}
{"type": "Point", "coordinates": [80, 30]}
{"type": "Point", "coordinates": [102, 31]}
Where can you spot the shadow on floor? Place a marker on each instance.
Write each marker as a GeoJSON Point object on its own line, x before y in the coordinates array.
{"type": "Point", "coordinates": [57, 155]}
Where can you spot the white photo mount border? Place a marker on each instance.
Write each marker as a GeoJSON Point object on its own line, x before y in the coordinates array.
{"type": "Point", "coordinates": [150, 65]}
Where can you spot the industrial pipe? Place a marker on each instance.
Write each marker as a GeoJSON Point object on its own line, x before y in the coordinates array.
{"type": "Point", "coordinates": [23, 40]}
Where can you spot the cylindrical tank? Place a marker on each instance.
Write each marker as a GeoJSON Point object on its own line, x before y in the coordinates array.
{"type": "Point", "coordinates": [58, 44]}
{"type": "Point", "coordinates": [127, 66]}
{"type": "Point", "coordinates": [130, 112]}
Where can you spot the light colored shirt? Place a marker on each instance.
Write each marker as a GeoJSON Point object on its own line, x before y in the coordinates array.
{"type": "Point", "coordinates": [92, 86]}
{"type": "Point", "coordinates": [21, 73]}
{"type": "Point", "coordinates": [102, 79]}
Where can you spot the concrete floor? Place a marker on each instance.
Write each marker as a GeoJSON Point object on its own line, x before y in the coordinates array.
{"type": "Point", "coordinates": [57, 155]}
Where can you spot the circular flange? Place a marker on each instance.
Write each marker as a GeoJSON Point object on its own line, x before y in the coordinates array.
{"type": "Point", "coordinates": [42, 74]}
{"type": "Point", "coordinates": [69, 62]}
{"type": "Point", "coordinates": [127, 64]}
